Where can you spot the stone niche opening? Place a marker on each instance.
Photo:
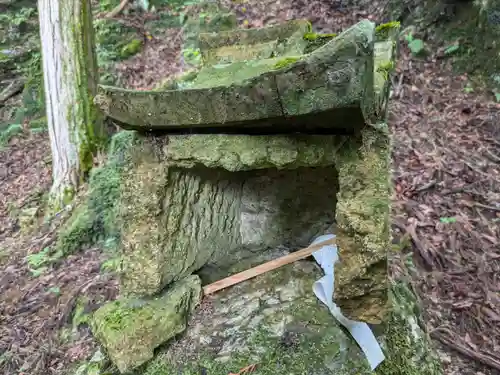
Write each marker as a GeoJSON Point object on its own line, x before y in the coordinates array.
{"type": "Point", "coordinates": [270, 208]}
{"type": "Point", "coordinates": [208, 201]}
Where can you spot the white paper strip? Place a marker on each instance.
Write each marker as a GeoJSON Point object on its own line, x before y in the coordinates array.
{"type": "Point", "coordinates": [324, 289]}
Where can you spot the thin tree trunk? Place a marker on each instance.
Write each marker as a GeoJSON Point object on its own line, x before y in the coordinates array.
{"type": "Point", "coordinates": [70, 78]}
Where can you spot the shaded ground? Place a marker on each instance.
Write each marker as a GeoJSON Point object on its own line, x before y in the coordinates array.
{"type": "Point", "coordinates": [446, 207]}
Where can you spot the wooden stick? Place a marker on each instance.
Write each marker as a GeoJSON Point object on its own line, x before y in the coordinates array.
{"type": "Point", "coordinates": [265, 267]}
{"type": "Point", "coordinates": [118, 9]}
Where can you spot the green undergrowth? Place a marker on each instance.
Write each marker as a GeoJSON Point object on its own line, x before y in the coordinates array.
{"type": "Point", "coordinates": [40, 262]}
{"type": "Point", "coordinates": [114, 42]}
{"type": "Point", "coordinates": [475, 49]}
{"type": "Point", "coordinates": [468, 38]}
{"type": "Point", "coordinates": [108, 5]}
{"type": "Point", "coordinates": [131, 48]}
{"type": "Point", "coordinates": [94, 221]}
{"type": "Point", "coordinates": [20, 57]}
{"type": "Point", "coordinates": [8, 133]}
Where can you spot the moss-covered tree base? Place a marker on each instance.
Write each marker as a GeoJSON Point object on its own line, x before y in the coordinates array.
{"type": "Point", "coordinates": [94, 220]}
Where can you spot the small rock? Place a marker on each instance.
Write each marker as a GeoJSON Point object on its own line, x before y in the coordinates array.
{"type": "Point", "coordinates": [130, 331]}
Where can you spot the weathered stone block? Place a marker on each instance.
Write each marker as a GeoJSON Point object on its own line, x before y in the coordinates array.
{"type": "Point", "coordinates": [276, 322]}
{"type": "Point", "coordinates": [285, 39]}
{"type": "Point", "coordinates": [130, 329]}
{"type": "Point", "coordinates": [258, 90]}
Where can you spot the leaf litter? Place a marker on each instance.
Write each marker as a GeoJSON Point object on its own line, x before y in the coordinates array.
{"type": "Point", "coordinates": [446, 200]}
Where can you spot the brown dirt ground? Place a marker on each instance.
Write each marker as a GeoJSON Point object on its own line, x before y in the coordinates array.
{"type": "Point", "coordinates": [446, 163]}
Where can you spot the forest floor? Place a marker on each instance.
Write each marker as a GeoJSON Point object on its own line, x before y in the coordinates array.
{"type": "Point", "coordinates": [446, 206]}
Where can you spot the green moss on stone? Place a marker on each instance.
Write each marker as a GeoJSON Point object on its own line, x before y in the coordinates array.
{"type": "Point", "coordinates": [386, 68]}
{"type": "Point", "coordinates": [184, 80]}
{"type": "Point", "coordinates": [77, 232]}
{"type": "Point", "coordinates": [38, 123]}
{"type": "Point", "coordinates": [316, 40]}
{"type": "Point", "coordinates": [111, 37]}
{"type": "Point", "coordinates": [387, 30]}
{"type": "Point", "coordinates": [316, 36]}
{"type": "Point", "coordinates": [362, 216]}
{"type": "Point", "coordinates": [256, 94]}
{"type": "Point", "coordinates": [286, 62]}
{"type": "Point", "coordinates": [408, 348]}
{"type": "Point", "coordinates": [131, 48]}
{"type": "Point", "coordinates": [244, 153]}
{"type": "Point", "coordinates": [130, 329]}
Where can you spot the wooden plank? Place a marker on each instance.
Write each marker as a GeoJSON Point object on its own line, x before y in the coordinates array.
{"type": "Point", "coordinates": [265, 267]}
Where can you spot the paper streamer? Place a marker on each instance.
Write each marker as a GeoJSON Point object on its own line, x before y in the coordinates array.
{"type": "Point", "coordinates": [324, 289]}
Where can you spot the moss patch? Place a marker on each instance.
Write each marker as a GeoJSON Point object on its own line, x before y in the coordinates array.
{"type": "Point", "coordinates": [95, 219]}
{"type": "Point", "coordinates": [387, 30]}
{"type": "Point", "coordinates": [408, 349]}
{"type": "Point", "coordinates": [179, 82]}
{"type": "Point", "coordinates": [316, 36]}
{"type": "Point", "coordinates": [130, 329]}
{"type": "Point", "coordinates": [131, 48]}
{"type": "Point", "coordinates": [316, 40]}
{"type": "Point", "coordinates": [286, 62]}
{"type": "Point", "coordinates": [386, 68]}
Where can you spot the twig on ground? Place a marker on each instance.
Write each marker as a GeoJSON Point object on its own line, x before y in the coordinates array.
{"type": "Point", "coordinates": [452, 343]}
{"type": "Point", "coordinates": [492, 208]}
{"type": "Point", "coordinates": [119, 8]}
{"type": "Point", "coordinates": [492, 156]}
{"type": "Point", "coordinates": [426, 186]}
{"type": "Point", "coordinates": [416, 241]}
{"type": "Point", "coordinates": [245, 370]}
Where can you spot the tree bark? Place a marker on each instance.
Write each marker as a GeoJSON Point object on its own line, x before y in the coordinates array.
{"type": "Point", "coordinates": [70, 78]}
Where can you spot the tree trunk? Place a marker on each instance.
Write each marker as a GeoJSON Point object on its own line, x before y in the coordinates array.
{"type": "Point", "coordinates": [70, 78]}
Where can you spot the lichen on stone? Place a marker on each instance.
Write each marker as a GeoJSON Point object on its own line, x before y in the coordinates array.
{"type": "Point", "coordinates": [215, 177]}
{"type": "Point", "coordinates": [363, 225]}
{"type": "Point", "coordinates": [273, 320]}
{"type": "Point", "coordinates": [408, 348]}
{"type": "Point", "coordinates": [251, 89]}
